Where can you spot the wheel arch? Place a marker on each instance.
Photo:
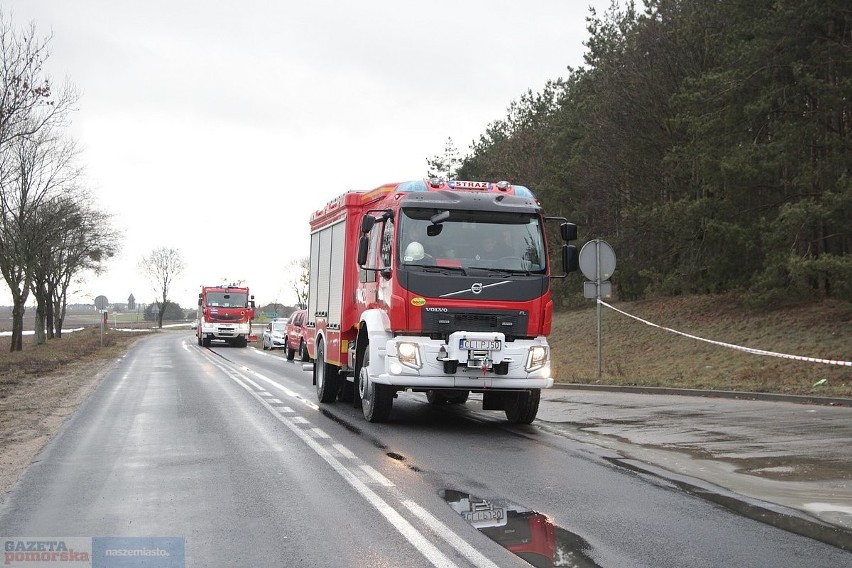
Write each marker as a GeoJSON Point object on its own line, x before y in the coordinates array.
{"type": "Point", "coordinates": [375, 328]}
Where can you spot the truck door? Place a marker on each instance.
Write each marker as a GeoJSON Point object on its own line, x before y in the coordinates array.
{"type": "Point", "coordinates": [370, 294]}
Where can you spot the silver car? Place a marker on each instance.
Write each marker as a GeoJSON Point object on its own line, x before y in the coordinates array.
{"type": "Point", "coordinates": [275, 335]}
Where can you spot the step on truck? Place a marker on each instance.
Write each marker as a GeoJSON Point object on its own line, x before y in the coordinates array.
{"type": "Point", "coordinates": [432, 286]}
{"type": "Point", "coordinates": [224, 314]}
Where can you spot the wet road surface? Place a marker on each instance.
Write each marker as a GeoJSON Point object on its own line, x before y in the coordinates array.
{"type": "Point", "coordinates": [739, 452]}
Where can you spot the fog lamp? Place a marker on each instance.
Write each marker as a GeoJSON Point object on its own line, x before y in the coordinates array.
{"type": "Point", "coordinates": [409, 354]}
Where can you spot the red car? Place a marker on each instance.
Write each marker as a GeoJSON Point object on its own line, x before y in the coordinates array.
{"type": "Point", "coordinates": [297, 336]}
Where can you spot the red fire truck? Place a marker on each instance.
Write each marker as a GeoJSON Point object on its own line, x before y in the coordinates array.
{"type": "Point", "coordinates": [225, 313]}
{"type": "Point", "coordinates": [433, 286]}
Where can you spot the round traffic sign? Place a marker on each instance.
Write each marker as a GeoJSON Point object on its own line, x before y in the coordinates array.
{"type": "Point", "coordinates": [597, 252]}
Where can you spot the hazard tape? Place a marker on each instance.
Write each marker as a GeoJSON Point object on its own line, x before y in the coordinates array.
{"type": "Point", "coordinates": [731, 345]}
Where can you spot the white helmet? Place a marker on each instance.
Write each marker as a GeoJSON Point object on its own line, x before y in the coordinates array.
{"type": "Point", "coordinates": [413, 252]}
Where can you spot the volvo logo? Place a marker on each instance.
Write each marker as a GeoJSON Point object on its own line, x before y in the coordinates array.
{"type": "Point", "coordinates": [436, 309]}
{"type": "Point", "coordinates": [477, 288]}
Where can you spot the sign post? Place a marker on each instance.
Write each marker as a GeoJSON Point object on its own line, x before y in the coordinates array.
{"type": "Point", "coordinates": [597, 263]}
{"type": "Point", "coordinates": [104, 323]}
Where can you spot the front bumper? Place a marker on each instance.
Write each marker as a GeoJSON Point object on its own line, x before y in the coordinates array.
{"type": "Point", "coordinates": [503, 369]}
{"type": "Point", "coordinates": [225, 331]}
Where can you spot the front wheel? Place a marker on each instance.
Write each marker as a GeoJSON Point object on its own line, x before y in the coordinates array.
{"type": "Point", "coordinates": [376, 400]}
{"type": "Point", "coordinates": [522, 406]}
{"type": "Point", "coordinates": [303, 351]}
{"type": "Point", "coordinates": [291, 353]}
{"type": "Point", "coordinates": [326, 376]}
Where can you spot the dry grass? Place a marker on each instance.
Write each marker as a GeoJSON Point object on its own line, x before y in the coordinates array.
{"type": "Point", "coordinates": [637, 354]}
{"type": "Point", "coordinates": [38, 362]}
{"type": "Point", "coordinates": [42, 385]}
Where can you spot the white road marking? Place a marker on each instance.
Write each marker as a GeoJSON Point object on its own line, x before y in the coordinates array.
{"type": "Point", "coordinates": [452, 538]}
{"type": "Point", "coordinates": [378, 477]}
{"type": "Point", "coordinates": [319, 433]}
{"type": "Point", "coordinates": [346, 452]}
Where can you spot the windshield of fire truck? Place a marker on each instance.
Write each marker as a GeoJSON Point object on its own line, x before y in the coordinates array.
{"type": "Point", "coordinates": [472, 239]}
{"type": "Point", "coordinates": [227, 299]}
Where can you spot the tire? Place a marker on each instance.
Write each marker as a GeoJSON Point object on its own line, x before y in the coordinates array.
{"type": "Point", "coordinates": [327, 377]}
{"type": "Point", "coordinates": [521, 407]}
{"type": "Point", "coordinates": [264, 345]}
{"type": "Point", "coordinates": [303, 351]}
{"type": "Point", "coordinates": [198, 337]}
{"type": "Point", "coordinates": [435, 398]}
{"type": "Point", "coordinates": [206, 341]}
{"type": "Point", "coordinates": [291, 353]}
{"type": "Point", "coordinates": [376, 400]}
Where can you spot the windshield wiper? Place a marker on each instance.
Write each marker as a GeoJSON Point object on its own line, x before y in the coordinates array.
{"type": "Point", "coordinates": [502, 270]}
{"type": "Point", "coordinates": [440, 269]}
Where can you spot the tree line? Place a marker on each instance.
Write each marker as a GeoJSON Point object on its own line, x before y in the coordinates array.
{"type": "Point", "coordinates": [50, 230]}
{"type": "Point", "coordinates": [708, 142]}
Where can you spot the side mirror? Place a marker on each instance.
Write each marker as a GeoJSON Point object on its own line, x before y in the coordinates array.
{"type": "Point", "coordinates": [367, 223]}
{"type": "Point", "coordinates": [199, 301]}
{"type": "Point", "coordinates": [568, 231]}
{"type": "Point", "coordinates": [363, 246]}
{"type": "Point", "coordinates": [570, 257]}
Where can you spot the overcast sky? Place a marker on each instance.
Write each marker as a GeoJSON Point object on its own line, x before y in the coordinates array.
{"type": "Point", "coordinates": [216, 128]}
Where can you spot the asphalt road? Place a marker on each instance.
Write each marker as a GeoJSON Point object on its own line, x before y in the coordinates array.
{"type": "Point", "coordinates": [226, 449]}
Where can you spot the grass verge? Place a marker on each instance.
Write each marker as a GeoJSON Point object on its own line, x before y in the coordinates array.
{"type": "Point", "coordinates": [635, 354]}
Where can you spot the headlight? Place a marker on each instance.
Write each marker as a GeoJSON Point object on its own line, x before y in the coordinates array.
{"type": "Point", "coordinates": [536, 359]}
{"type": "Point", "coordinates": [409, 354]}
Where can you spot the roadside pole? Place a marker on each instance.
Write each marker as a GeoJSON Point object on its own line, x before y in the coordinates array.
{"type": "Point", "coordinates": [104, 321]}
{"type": "Point", "coordinates": [597, 263]}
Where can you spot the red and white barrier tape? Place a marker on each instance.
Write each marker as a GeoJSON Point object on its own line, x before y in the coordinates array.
{"type": "Point", "coordinates": [731, 345]}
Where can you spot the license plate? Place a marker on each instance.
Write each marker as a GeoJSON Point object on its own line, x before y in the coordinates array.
{"type": "Point", "coordinates": [480, 344]}
{"type": "Point", "coordinates": [481, 516]}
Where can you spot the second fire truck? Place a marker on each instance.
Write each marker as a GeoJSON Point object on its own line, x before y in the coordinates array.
{"type": "Point", "coordinates": [225, 313]}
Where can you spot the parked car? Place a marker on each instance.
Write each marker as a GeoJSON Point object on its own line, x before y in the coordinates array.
{"type": "Point", "coordinates": [297, 335]}
{"type": "Point", "coordinates": [275, 335]}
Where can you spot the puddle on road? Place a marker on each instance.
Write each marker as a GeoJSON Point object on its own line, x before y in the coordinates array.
{"type": "Point", "coordinates": [530, 535]}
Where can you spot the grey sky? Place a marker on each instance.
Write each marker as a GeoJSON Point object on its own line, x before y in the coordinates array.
{"type": "Point", "coordinates": [217, 127]}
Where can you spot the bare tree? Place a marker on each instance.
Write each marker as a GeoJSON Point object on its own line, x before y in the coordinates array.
{"type": "Point", "coordinates": [302, 268]}
{"type": "Point", "coordinates": [28, 101]}
{"type": "Point", "coordinates": [46, 223]}
{"type": "Point", "coordinates": [83, 240]}
{"type": "Point", "coordinates": [161, 266]}
{"type": "Point", "coordinates": [32, 158]}
{"type": "Point", "coordinates": [31, 194]}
